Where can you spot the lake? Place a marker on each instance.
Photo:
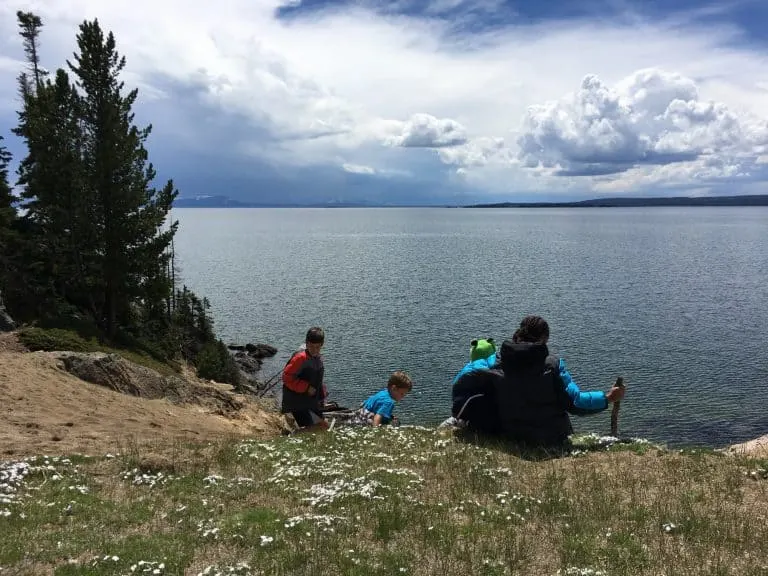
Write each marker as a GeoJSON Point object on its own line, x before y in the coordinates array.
{"type": "Point", "coordinates": [673, 299]}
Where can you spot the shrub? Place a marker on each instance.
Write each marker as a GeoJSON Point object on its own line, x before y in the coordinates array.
{"type": "Point", "coordinates": [52, 339]}
{"type": "Point", "coordinates": [214, 362]}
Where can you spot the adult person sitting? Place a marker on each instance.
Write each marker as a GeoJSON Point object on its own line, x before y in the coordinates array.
{"type": "Point", "coordinates": [537, 393]}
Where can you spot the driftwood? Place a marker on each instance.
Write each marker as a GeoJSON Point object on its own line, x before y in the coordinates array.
{"type": "Point", "coordinates": [615, 412]}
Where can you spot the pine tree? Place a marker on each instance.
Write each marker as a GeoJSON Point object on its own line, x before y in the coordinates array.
{"type": "Point", "coordinates": [58, 230]}
{"type": "Point", "coordinates": [96, 237]}
{"type": "Point", "coordinates": [30, 26]}
{"type": "Point", "coordinates": [129, 214]}
{"type": "Point", "coordinates": [7, 208]}
{"type": "Point", "coordinates": [7, 222]}
{"type": "Point", "coordinates": [7, 219]}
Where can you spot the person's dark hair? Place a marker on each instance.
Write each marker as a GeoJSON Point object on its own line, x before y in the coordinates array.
{"type": "Point", "coordinates": [315, 335]}
{"type": "Point", "coordinates": [533, 329]}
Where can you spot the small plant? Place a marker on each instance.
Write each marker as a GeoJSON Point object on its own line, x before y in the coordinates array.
{"type": "Point", "coordinates": [214, 362]}
{"type": "Point", "coordinates": [53, 339]}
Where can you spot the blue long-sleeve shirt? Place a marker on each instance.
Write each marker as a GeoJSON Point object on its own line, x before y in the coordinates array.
{"type": "Point", "coordinates": [581, 403]}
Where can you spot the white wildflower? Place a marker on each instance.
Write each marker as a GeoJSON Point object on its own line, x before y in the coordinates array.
{"type": "Point", "coordinates": [669, 528]}
{"type": "Point", "coordinates": [266, 540]}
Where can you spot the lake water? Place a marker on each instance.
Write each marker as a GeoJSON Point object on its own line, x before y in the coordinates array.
{"type": "Point", "coordinates": [673, 299]}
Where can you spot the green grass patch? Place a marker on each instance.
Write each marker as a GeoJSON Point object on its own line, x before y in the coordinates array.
{"type": "Point", "coordinates": [389, 501]}
{"type": "Point", "coordinates": [58, 339]}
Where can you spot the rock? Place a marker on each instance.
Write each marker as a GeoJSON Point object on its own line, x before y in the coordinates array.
{"type": "Point", "coordinates": [247, 363]}
{"type": "Point", "coordinates": [115, 372]}
{"type": "Point", "coordinates": [757, 448]}
{"type": "Point", "coordinates": [258, 351]}
{"type": "Point", "coordinates": [261, 350]}
{"type": "Point", "coordinates": [246, 387]}
{"type": "Point", "coordinates": [6, 322]}
{"type": "Point", "coordinates": [249, 359]}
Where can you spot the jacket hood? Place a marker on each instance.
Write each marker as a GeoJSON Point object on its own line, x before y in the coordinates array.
{"type": "Point", "coordinates": [522, 355]}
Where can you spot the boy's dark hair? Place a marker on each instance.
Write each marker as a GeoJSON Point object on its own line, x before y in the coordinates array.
{"type": "Point", "coordinates": [315, 335]}
{"type": "Point", "coordinates": [533, 329]}
{"type": "Point", "coordinates": [400, 380]}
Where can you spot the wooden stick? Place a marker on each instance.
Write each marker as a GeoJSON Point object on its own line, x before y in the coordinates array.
{"type": "Point", "coordinates": [615, 412]}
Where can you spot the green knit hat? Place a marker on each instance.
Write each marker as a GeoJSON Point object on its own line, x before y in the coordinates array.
{"type": "Point", "coordinates": [481, 348]}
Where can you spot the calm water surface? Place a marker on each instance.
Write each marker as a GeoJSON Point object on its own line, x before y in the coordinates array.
{"type": "Point", "coordinates": [673, 299]}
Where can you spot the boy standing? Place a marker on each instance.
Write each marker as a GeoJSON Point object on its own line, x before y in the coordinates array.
{"type": "Point", "coordinates": [303, 389]}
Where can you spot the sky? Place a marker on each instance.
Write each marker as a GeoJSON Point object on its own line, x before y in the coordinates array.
{"type": "Point", "coordinates": [432, 101]}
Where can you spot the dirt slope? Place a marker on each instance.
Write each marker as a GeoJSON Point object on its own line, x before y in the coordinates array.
{"type": "Point", "coordinates": [45, 410]}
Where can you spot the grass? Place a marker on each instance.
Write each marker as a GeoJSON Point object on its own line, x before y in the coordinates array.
{"type": "Point", "coordinates": [59, 339]}
{"type": "Point", "coordinates": [385, 502]}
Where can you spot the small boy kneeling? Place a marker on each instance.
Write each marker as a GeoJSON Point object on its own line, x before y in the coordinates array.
{"type": "Point", "coordinates": [378, 409]}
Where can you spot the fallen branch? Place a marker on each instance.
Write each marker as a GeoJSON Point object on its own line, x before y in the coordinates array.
{"type": "Point", "coordinates": [615, 412]}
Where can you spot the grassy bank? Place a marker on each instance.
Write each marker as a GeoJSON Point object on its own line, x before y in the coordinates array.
{"type": "Point", "coordinates": [397, 501]}
{"type": "Point", "coordinates": [57, 339]}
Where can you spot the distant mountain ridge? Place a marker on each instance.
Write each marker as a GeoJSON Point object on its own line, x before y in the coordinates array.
{"type": "Point", "coordinates": [221, 201]}
{"type": "Point", "coordinates": [752, 200]}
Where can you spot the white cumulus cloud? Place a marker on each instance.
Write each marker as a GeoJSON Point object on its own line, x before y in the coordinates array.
{"type": "Point", "coordinates": [651, 117]}
{"type": "Point", "coordinates": [426, 131]}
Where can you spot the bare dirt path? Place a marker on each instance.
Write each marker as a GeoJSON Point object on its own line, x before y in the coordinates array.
{"type": "Point", "coordinates": [46, 410]}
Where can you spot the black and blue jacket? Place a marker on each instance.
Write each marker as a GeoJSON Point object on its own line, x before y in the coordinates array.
{"type": "Point", "coordinates": [526, 396]}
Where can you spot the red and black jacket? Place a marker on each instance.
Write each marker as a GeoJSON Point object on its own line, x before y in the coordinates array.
{"type": "Point", "coordinates": [301, 373]}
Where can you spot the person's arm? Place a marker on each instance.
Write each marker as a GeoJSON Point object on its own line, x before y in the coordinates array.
{"type": "Point", "coordinates": [581, 403]}
{"type": "Point", "coordinates": [384, 412]}
{"type": "Point", "coordinates": [291, 374]}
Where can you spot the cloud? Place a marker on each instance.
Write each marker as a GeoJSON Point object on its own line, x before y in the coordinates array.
{"type": "Point", "coordinates": [478, 152]}
{"type": "Point", "coordinates": [651, 117]}
{"type": "Point", "coordinates": [425, 131]}
{"type": "Point", "coordinates": [357, 169]}
{"type": "Point", "coordinates": [398, 89]}
{"type": "Point", "coordinates": [733, 175]}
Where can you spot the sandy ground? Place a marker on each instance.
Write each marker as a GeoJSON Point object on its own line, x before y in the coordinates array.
{"type": "Point", "coordinates": [45, 410]}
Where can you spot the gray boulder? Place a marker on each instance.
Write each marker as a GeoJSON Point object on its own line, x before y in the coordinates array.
{"type": "Point", "coordinates": [115, 372]}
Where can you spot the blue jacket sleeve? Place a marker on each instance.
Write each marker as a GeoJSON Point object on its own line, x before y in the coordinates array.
{"type": "Point", "coordinates": [581, 403]}
{"type": "Point", "coordinates": [480, 364]}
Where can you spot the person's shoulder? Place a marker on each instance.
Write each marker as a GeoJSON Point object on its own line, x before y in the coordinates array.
{"type": "Point", "coordinates": [554, 360]}
{"type": "Point", "coordinates": [383, 396]}
{"type": "Point", "coordinates": [301, 353]}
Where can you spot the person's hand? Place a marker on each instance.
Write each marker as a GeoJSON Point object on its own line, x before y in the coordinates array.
{"type": "Point", "coordinates": [615, 394]}
{"type": "Point", "coordinates": [311, 390]}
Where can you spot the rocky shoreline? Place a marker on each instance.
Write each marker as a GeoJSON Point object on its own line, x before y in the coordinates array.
{"type": "Point", "coordinates": [250, 359]}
